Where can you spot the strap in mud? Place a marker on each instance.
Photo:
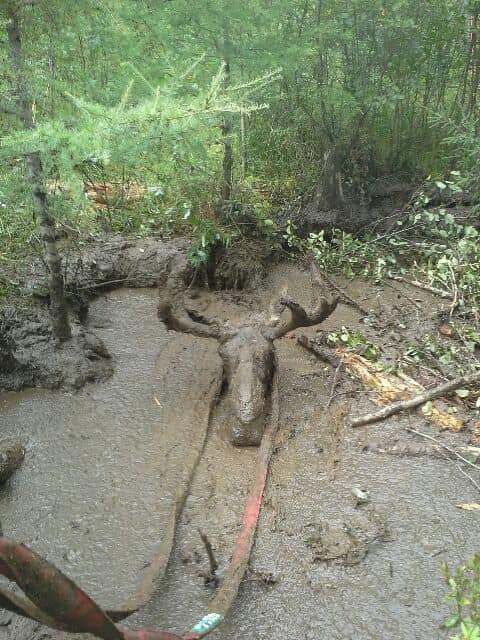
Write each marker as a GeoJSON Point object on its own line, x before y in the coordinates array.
{"type": "Point", "coordinates": [228, 591]}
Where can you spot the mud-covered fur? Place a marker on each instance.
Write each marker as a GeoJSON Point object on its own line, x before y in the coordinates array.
{"type": "Point", "coordinates": [247, 351]}
{"type": "Point", "coordinates": [249, 362]}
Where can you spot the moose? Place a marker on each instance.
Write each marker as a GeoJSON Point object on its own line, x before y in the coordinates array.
{"type": "Point", "coordinates": [247, 352]}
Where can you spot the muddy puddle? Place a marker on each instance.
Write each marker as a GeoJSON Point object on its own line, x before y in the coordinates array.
{"type": "Point", "coordinates": [104, 465]}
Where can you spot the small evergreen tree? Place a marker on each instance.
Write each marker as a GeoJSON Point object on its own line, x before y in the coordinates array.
{"type": "Point", "coordinates": [58, 305]}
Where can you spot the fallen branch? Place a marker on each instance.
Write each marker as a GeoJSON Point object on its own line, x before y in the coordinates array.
{"type": "Point", "coordinates": [393, 388]}
{"type": "Point", "coordinates": [416, 401]}
{"type": "Point", "coordinates": [425, 287]}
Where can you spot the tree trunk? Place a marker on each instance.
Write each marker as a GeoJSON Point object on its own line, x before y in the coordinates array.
{"type": "Point", "coordinates": [244, 134]}
{"type": "Point", "coordinates": [329, 191]}
{"type": "Point", "coordinates": [227, 152]}
{"type": "Point", "coordinates": [474, 61]}
{"type": "Point", "coordinates": [58, 305]}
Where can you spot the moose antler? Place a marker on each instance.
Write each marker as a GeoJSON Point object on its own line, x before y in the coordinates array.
{"type": "Point", "coordinates": [301, 318]}
{"type": "Point", "coordinates": [178, 318]}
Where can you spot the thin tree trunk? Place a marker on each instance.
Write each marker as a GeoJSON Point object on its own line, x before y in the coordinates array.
{"type": "Point", "coordinates": [474, 62]}
{"type": "Point", "coordinates": [244, 134]}
{"type": "Point", "coordinates": [227, 152]}
{"type": "Point", "coordinates": [58, 306]}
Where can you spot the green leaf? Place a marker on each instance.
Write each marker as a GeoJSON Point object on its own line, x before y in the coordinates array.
{"type": "Point", "coordinates": [462, 393]}
{"type": "Point", "coordinates": [451, 621]}
{"type": "Point", "coordinates": [441, 185]}
{"type": "Point", "coordinates": [427, 408]}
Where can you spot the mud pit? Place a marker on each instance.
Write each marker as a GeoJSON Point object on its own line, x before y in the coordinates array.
{"type": "Point", "coordinates": [104, 465]}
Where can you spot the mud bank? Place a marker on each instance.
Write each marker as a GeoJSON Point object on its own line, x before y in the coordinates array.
{"type": "Point", "coordinates": [323, 566]}
{"type": "Point", "coordinates": [30, 357]}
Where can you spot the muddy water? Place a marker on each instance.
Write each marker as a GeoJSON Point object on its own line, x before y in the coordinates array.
{"type": "Point", "coordinates": [322, 566]}
{"type": "Point", "coordinates": [103, 465]}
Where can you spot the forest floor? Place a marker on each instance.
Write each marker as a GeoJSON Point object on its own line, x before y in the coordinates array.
{"type": "Point", "coordinates": [103, 465]}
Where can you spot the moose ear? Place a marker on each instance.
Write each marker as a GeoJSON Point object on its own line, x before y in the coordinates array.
{"type": "Point", "coordinates": [177, 318]}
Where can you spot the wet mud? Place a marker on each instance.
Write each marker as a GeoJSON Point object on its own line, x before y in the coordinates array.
{"type": "Point", "coordinates": [103, 467]}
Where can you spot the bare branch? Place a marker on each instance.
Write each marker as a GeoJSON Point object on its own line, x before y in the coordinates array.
{"type": "Point", "coordinates": [447, 448]}
{"type": "Point", "coordinates": [318, 276]}
{"type": "Point", "coordinates": [425, 287]}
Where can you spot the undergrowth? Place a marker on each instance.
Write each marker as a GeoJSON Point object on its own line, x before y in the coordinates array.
{"type": "Point", "coordinates": [427, 240]}
{"type": "Point", "coordinates": [464, 599]}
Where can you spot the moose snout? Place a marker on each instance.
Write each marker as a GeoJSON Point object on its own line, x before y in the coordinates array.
{"type": "Point", "coordinates": [250, 394]}
{"type": "Point", "coordinates": [248, 390]}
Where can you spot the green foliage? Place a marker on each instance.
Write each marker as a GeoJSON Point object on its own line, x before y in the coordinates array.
{"type": "Point", "coordinates": [457, 353]}
{"type": "Point", "coordinates": [154, 126]}
{"type": "Point", "coordinates": [429, 241]}
{"type": "Point", "coordinates": [343, 253]}
{"type": "Point", "coordinates": [464, 599]}
{"type": "Point", "coordinates": [354, 341]}
{"type": "Point", "coordinates": [447, 253]}
{"type": "Point", "coordinates": [135, 93]}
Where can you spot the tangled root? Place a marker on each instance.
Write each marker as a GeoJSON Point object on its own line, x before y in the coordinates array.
{"type": "Point", "coordinates": [241, 266]}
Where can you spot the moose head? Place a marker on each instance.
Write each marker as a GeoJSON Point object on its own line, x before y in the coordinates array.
{"type": "Point", "coordinates": [248, 355]}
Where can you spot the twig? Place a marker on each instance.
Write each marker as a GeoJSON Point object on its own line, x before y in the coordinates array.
{"type": "Point", "coordinates": [402, 293]}
{"type": "Point", "coordinates": [458, 466]}
{"type": "Point", "coordinates": [323, 353]}
{"type": "Point", "coordinates": [99, 285]}
{"type": "Point", "coordinates": [462, 471]}
{"type": "Point", "coordinates": [211, 558]}
{"type": "Point", "coordinates": [444, 446]}
{"type": "Point", "coordinates": [334, 384]}
{"type": "Point", "coordinates": [425, 287]}
{"type": "Point", "coordinates": [416, 401]}
{"type": "Point", "coordinates": [344, 297]}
